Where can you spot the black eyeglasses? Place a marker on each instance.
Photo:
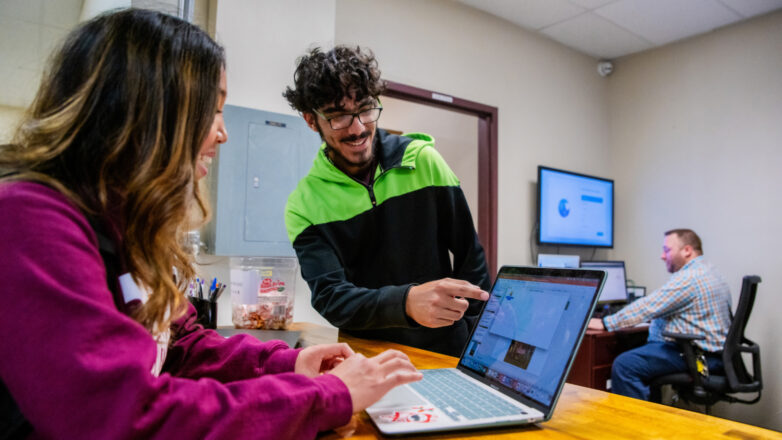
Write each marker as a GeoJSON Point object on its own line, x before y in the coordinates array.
{"type": "Point", "coordinates": [366, 116]}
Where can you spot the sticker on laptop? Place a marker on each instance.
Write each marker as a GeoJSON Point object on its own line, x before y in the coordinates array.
{"type": "Point", "coordinates": [416, 414]}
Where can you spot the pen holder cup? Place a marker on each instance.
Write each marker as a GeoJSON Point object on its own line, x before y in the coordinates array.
{"type": "Point", "coordinates": [206, 312]}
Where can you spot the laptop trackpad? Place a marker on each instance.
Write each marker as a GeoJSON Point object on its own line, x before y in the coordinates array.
{"type": "Point", "coordinates": [399, 397]}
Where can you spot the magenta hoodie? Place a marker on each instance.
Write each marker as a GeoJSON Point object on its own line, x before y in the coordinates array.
{"type": "Point", "coordinates": [79, 368]}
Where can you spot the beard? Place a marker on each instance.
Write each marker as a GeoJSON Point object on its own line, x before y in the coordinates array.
{"type": "Point", "coordinates": [342, 161]}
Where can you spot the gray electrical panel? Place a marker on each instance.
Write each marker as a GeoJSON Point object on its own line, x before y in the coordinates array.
{"type": "Point", "coordinates": [265, 157]}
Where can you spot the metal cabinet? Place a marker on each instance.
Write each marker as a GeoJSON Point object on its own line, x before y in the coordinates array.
{"type": "Point", "coordinates": [265, 157]}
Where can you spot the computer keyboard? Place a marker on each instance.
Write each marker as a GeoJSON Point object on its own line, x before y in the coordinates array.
{"type": "Point", "coordinates": [606, 310]}
{"type": "Point", "coordinates": [460, 398]}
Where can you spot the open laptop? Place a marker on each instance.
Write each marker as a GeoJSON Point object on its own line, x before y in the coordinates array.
{"type": "Point", "coordinates": [516, 361]}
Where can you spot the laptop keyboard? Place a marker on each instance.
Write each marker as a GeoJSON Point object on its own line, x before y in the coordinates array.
{"type": "Point", "coordinates": [460, 398]}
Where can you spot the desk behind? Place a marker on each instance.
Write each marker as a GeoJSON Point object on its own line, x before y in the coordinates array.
{"type": "Point", "coordinates": [592, 366]}
{"type": "Point", "coordinates": [581, 413]}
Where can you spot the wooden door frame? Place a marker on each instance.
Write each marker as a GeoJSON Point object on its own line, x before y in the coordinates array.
{"type": "Point", "coordinates": [487, 156]}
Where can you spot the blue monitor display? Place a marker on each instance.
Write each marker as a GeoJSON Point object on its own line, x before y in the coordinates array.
{"type": "Point", "coordinates": [575, 209]}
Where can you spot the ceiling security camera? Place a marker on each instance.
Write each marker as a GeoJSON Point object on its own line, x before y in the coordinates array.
{"type": "Point", "coordinates": [604, 68]}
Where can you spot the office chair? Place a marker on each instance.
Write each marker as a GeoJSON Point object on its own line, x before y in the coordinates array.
{"type": "Point", "coordinates": [707, 389]}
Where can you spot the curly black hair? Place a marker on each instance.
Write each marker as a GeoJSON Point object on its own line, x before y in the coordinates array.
{"type": "Point", "coordinates": [325, 78]}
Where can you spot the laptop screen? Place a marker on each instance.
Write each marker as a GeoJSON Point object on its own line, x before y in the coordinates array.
{"type": "Point", "coordinates": [530, 328]}
{"type": "Point", "coordinates": [615, 290]}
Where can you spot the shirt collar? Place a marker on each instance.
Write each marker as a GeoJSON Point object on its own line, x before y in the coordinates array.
{"type": "Point", "coordinates": [692, 262]}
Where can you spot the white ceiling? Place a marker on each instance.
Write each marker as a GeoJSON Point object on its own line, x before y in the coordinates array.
{"type": "Point", "coordinates": [608, 29]}
{"type": "Point", "coordinates": [604, 29]}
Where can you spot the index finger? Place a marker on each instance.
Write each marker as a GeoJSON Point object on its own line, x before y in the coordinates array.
{"type": "Point", "coordinates": [470, 291]}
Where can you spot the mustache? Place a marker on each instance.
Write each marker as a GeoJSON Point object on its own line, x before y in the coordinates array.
{"type": "Point", "coordinates": [355, 137]}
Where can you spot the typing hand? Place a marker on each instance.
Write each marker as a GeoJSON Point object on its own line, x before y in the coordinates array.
{"type": "Point", "coordinates": [369, 379]}
{"type": "Point", "coordinates": [317, 359]}
{"type": "Point", "coordinates": [596, 324]}
{"type": "Point", "coordinates": [442, 302]}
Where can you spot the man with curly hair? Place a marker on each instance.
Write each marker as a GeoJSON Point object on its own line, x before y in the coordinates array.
{"type": "Point", "coordinates": [380, 225]}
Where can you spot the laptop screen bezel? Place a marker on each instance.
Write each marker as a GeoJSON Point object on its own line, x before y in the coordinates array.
{"type": "Point", "coordinates": [598, 275]}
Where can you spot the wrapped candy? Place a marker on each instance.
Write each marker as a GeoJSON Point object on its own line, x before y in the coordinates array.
{"type": "Point", "coordinates": [261, 292]}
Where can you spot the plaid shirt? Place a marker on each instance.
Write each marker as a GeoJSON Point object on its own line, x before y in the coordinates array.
{"type": "Point", "coordinates": [695, 300]}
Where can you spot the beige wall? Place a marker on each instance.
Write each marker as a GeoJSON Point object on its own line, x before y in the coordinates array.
{"type": "Point", "coordinates": [263, 40]}
{"type": "Point", "coordinates": [696, 141]}
{"type": "Point", "coordinates": [9, 120]}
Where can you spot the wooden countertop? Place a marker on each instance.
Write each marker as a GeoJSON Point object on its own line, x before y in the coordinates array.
{"type": "Point", "coordinates": [581, 413]}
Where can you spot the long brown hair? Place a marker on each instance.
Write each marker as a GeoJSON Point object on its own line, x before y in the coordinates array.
{"type": "Point", "coordinates": [117, 125]}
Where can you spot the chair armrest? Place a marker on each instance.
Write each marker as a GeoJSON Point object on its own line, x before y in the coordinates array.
{"type": "Point", "coordinates": [683, 336]}
{"type": "Point", "coordinates": [749, 349]}
{"type": "Point", "coordinates": [757, 377]}
{"type": "Point", "coordinates": [690, 352]}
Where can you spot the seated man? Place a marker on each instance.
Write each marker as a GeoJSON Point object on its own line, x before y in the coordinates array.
{"type": "Point", "coordinates": [380, 224]}
{"type": "Point", "coordinates": [695, 300]}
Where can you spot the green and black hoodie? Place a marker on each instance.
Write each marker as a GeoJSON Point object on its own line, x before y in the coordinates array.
{"type": "Point", "coordinates": [361, 247]}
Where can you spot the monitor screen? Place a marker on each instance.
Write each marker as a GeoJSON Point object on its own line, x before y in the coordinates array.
{"type": "Point", "coordinates": [575, 209]}
{"type": "Point", "coordinates": [615, 289]}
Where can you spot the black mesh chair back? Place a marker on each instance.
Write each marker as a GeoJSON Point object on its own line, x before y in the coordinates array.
{"type": "Point", "coordinates": [739, 378]}
{"type": "Point", "coordinates": [736, 378]}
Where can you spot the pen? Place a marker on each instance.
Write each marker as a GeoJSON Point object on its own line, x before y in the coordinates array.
{"type": "Point", "coordinates": [213, 290]}
{"type": "Point", "coordinates": [219, 292]}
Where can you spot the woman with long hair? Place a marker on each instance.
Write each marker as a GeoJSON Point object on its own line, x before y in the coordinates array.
{"type": "Point", "coordinates": [97, 189]}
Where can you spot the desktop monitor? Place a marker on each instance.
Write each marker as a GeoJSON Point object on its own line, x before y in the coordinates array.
{"type": "Point", "coordinates": [557, 260]}
{"type": "Point", "coordinates": [615, 289]}
{"type": "Point", "coordinates": [635, 292]}
{"type": "Point", "coordinates": [575, 209]}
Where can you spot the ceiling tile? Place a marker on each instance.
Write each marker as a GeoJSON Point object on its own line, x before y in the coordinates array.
{"type": "Point", "coordinates": [596, 36]}
{"type": "Point", "coordinates": [750, 8]}
{"type": "Point", "coordinates": [591, 4]}
{"type": "Point", "coordinates": [529, 14]}
{"type": "Point", "coordinates": [664, 21]}
{"type": "Point", "coordinates": [27, 10]}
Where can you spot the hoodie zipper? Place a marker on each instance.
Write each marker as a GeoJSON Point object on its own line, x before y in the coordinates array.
{"type": "Point", "coordinates": [371, 187]}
